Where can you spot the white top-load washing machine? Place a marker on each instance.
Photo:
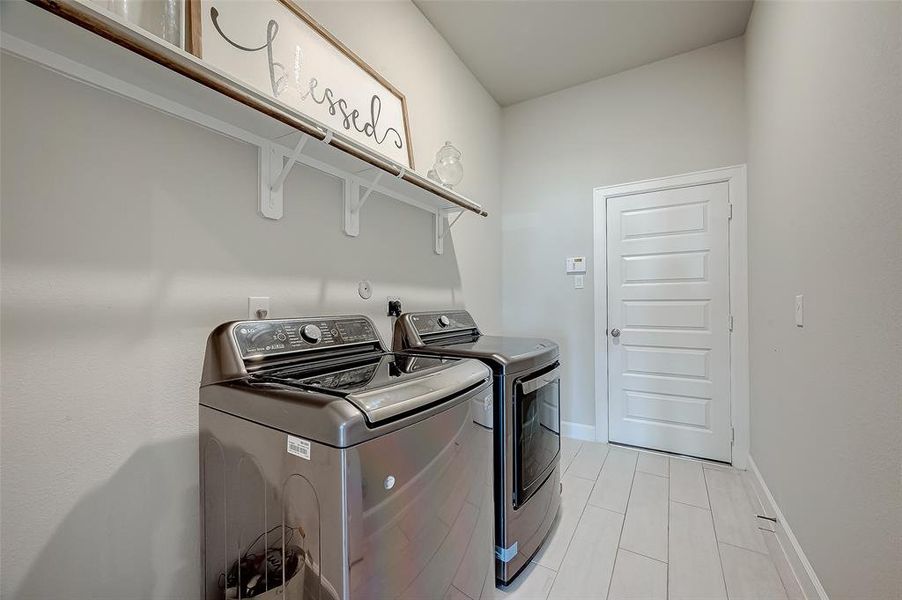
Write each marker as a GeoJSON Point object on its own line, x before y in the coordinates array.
{"type": "Point", "coordinates": [332, 468]}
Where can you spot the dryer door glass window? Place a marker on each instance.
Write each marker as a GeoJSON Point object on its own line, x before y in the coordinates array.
{"type": "Point", "coordinates": [537, 430]}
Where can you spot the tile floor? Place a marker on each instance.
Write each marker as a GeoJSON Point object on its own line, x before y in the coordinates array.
{"type": "Point", "coordinates": [639, 525]}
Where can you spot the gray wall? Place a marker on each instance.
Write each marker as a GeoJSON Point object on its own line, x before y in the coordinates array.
{"type": "Point", "coordinates": [445, 102]}
{"type": "Point", "coordinates": [127, 236]}
{"type": "Point", "coordinates": [825, 212]}
{"type": "Point", "coordinates": [678, 115]}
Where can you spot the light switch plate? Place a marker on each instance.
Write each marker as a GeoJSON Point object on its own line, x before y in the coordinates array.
{"type": "Point", "coordinates": [800, 310]}
{"type": "Point", "coordinates": [576, 264]}
{"type": "Point", "coordinates": [579, 282]}
{"type": "Point", "coordinates": [257, 303]}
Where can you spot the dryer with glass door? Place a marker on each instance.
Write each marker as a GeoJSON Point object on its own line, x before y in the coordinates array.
{"type": "Point", "coordinates": [526, 423]}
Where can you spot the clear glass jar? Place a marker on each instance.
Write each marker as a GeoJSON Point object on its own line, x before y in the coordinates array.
{"type": "Point", "coordinates": [447, 166]}
{"type": "Point", "coordinates": [161, 18]}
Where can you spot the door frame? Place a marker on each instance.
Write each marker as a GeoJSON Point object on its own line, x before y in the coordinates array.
{"type": "Point", "coordinates": [735, 177]}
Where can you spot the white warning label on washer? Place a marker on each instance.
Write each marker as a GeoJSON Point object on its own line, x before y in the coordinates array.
{"type": "Point", "coordinates": [299, 447]}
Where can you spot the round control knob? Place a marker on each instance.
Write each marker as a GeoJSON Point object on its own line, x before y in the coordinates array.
{"type": "Point", "coordinates": [311, 334]}
{"type": "Point", "coordinates": [444, 321]}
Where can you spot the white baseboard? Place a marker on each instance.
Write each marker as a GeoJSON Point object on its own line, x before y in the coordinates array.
{"type": "Point", "coordinates": [578, 431]}
{"type": "Point", "coordinates": [801, 567]}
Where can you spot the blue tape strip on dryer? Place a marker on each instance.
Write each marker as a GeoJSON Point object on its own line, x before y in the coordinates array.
{"type": "Point", "coordinates": [506, 554]}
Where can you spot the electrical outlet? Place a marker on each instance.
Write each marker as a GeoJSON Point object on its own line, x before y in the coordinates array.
{"type": "Point", "coordinates": [579, 281]}
{"type": "Point", "coordinates": [800, 310]}
{"type": "Point", "coordinates": [258, 307]}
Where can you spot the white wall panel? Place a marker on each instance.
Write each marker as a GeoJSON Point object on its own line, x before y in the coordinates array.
{"type": "Point", "coordinates": [679, 115]}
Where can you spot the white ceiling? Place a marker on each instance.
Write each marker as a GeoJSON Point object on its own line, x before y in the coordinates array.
{"type": "Point", "coordinates": [523, 49]}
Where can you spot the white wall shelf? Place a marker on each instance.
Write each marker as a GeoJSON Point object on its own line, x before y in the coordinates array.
{"type": "Point", "coordinates": [94, 46]}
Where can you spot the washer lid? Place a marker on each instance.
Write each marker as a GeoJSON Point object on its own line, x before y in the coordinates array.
{"type": "Point", "coordinates": [387, 386]}
{"type": "Point", "coordinates": [411, 394]}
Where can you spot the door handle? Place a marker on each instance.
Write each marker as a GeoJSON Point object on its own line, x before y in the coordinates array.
{"type": "Point", "coordinates": [541, 381]}
{"type": "Point", "coordinates": [615, 332]}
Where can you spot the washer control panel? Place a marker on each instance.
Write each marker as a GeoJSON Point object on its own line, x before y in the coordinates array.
{"type": "Point", "coordinates": [258, 339]}
{"type": "Point", "coordinates": [437, 322]}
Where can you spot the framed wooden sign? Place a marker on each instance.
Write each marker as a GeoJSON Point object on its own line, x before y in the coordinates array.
{"type": "Point", "coordinates": [278, 49]}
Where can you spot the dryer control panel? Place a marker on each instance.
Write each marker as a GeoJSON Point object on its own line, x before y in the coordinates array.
{"type": "Point", "coordinates": [260, 339]}
{"type": "Point", "coordinates": [439, 322]}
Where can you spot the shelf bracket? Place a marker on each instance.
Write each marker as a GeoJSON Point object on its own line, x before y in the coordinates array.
{"type": "Point", "coordinates": [442, 227]}
{"type": "Point", "coordinates": [354, 202]}
{"type": "Point", "coordinates": [272, 175]}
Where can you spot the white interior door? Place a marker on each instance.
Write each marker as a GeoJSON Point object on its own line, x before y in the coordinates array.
{"type": "Point", "coordinates": [668, 320]}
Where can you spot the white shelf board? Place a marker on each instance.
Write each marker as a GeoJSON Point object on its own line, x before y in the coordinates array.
{"type": "Point", "coordinates": [38, 35]}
